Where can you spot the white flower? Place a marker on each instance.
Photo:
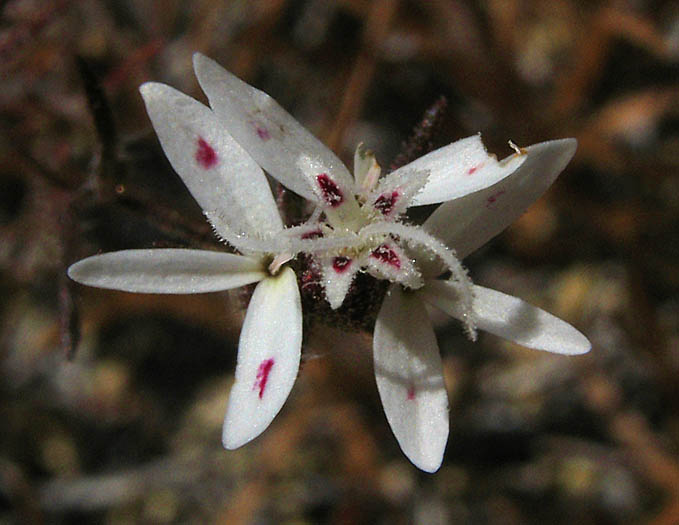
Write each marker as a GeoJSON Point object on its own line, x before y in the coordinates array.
{"type": "Point", "coordinates": [407, 362]}
{"type": "Point", "coordinates": [480, 197]}
{"type": "Point", "coordinates": [356, 226]}
{"type": "Point", "coordinates": [361, 214]}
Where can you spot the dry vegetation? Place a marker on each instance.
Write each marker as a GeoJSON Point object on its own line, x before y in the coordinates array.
{"type": "Point", "coordinates": [128, 429]}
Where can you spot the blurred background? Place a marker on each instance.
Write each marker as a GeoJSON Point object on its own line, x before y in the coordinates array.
{"type": "Point", "coordinates": [127, 429]}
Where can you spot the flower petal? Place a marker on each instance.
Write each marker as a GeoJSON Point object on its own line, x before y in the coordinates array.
{"type": "Point", "coordinates": [268, 358]}
{"type": "Point", "coordinates": [389, 261]}
{"type": "Point", "coordinates": [395, 192]}
{"type": "Point", "coordinates": [467, 223]}
{"type": "Point", "coordinates": [227, 183]}
{"type": "Point", "coordinates": [338, 274]}
{"type": "Point", "coordinates": [510, 318]}
{"type": "Point", "coordinates": [173, 271]}
{"type": "Point", "coordinates": [458, 169]}
{"type": "Point", "coordinates": [279, 144]}
{"type": "Point", "coordinates": [409, 377]}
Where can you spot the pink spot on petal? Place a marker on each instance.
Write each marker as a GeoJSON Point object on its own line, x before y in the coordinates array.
{"type": "Point", "coordinates": [332, 195]}
{"type": "Point", "coordinates": [492, 200]}
{"type": "Point", "coordinates": [473, 169]}
{"type": "Point", "coordinates": [386, 255]}
{"type": "Point", "coordinates": [385, 202]}
{"type": "Point", "coordinates": [341, 264]}
{"type": "Point", "coordinates": [206, 156]}
{"type": "Point", "coordinates": [410, 396]}
{"type": "Point", "coordinates": [262, 132]}
{"type": "Point", "coordinates": [263, 376]}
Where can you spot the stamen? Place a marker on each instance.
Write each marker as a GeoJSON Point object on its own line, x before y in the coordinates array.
{"type": "Point", "coordinates": [517, 149]}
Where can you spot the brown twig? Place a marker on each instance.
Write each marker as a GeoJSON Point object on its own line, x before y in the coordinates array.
{"type": "Point", "coordinates": [375, 31]}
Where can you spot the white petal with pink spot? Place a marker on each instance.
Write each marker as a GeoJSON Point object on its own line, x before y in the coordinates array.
{"type": "Point", "coordinates": [268, 358]}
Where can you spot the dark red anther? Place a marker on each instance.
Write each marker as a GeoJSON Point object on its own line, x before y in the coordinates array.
{"type": "Point", "coordinates": [332, 195]}
{"type": "Point", "coordinates": [206, 156]}
{"type": "Point", "coordinates": [386, 255]}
